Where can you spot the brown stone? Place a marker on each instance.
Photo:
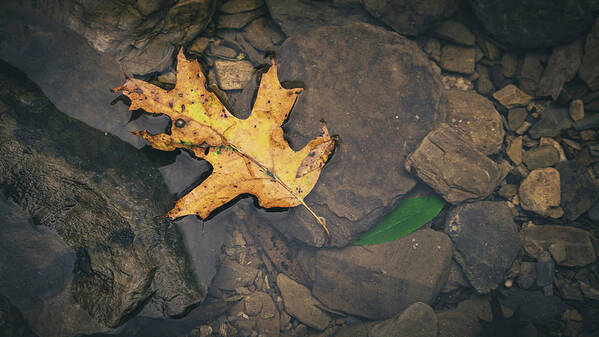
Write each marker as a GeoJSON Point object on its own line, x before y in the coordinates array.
{"type": "Point", "coordinates": [541, 156]}
{"type": "Point", "coordinates": [577, 110]}
{"type": "Point", "coordinates": [511, 97]}
{"type": "Point", "coordinates": [457, 59]}
{"type": "Point", "coordinates": [514, 150]}
{"type": "Point", "coordinates": [516, 117]}
{"type": "Point", "coordinates": [577, 243]}
{"type": "Point", "coordinates": [232, 75]}
{"type": "Point", "coordinates": [540, 192]}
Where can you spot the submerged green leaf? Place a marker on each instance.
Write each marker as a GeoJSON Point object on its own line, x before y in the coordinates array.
{"type": "Point", "coordinates": [409, 215]}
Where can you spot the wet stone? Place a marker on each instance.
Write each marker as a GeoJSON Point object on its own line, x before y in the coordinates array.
{"type": "Point", "coordinates": [544, 270]}
{"type": "Point", "coordinates": [454, 31]}
{"type": "Point", "coordinates": [516, 117]}
{"type": "Point", "coordinates": [263, 35]}
{"type": "Point", "coordinates": [484, 86]}
{"type": "Point", "coordinates": [432, 47]}
{"type": "Point", "coordinates": [239, 20]}
{"type": "Point", "coordinates": [252, 305]}
{"type": "Point", "coordinates": [578, 246]}
{"type": "Point", "coordinates": [457, 59]}
{"type": "Point", "coordinates": [239, 6]}
{"type": "Point", "coordinates": [232, 275]}
{"type": "Point", "coordinates": [233, 75]}
{"type": "Point", "coordinates": [561, 68]}
{"type": "Point", "coordinates": [508, 190]}
{"type": "Point", "coordinates": [509, 65]}
{"type": "Point", "coordinates": [418, 320]}
{"type": "Point", "coordinates": [528, 275]}
{"type": "Point", "coordinates": [553, 121]}
{"type": "Point", "coordinates": [579, 191]}
{"type": "Point", "coordinates": [514, 150]}
{"type": "Point", "coordinates": [589, 70]}
{"type": "Point", "coordinates": [512, 97]}
{"type": "Point", "coordinates": [540, 157]}
{"type": "Point", "coordinates": [300, 303]}
{"type": "Point", "coordinates": [540, 192]}
{"type": "Point", "coordinates": [530, 72]}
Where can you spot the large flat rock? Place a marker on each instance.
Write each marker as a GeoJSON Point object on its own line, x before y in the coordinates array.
{"type": "Point", "coordinates": [380, 281]}
{"type": "Point", "coordinates": [381, 102]}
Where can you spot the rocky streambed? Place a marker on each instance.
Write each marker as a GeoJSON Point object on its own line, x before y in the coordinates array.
{"type": "Point", "coordinates": [485, 104]}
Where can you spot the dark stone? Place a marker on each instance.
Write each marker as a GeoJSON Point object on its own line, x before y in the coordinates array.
{"type": "Point", "coordinates": [578, 191]}
{"type": "Point", "coordinates": [409, 17]}
{"type": "Point", "coordinates": [453, 167]}
{"type": "Point", "coordinates": [533, 306]}
{"type": "Point", "coordinates": [418, 320]}
{"type": "Point", "coordinates": [590, 65]}
{"type": "Point", "coordinates": [347, 84]}
{"type": "Point", "coordinates": [561, 68]}
{"type": "Point", "coordinates": [12, 323]}
{"type": "Point", "coordinates": [540, 157]}
{"type": "Point", "coordinates": [517, 22]}
{"type": "Point", "coordinates": [545, 269]}
{"type": "Point", "coordinates": [577, 243]}
{"type": "Point", "coordinates": [530, 72]}
{"type": "Point", "coordinates": [528, 275]}
{"type": "Point", "coordinates": [516, 117]}
{"type": "Point", "coordinates": [465, 319]}
{"type": "Point", "coordinates": [553, 120]}
{"type": "Point", "coordinates": [233, 275]}
{"type": "Point", "coordinates": [380, 281]}
{"type": "Point", "coordinates": [594, 212]}
{"type": "Point", "coordinates": [485, 240]}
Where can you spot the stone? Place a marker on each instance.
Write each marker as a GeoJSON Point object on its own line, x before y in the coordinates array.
{"type": "Point", "coordinates": [239, 6]}
{"type": "Point", "coordinates": [553, 121]}
{"type": "Point", "coordinates": [233, 75]}
{"type": "Point", "coordinates": [517, 23]}
{"type": "Point", "coordinates": [263, 35]}
{"type": "Point", "coordinates": [540, 192]}
{"type": "Point", "coordinates": [218, 49]}
{"type": "Point", "coordinates": [232, 275]}
{"type": "Point", "coordinates": [562, 66]}
{"type": "Point", "coordinates": [568, 290]}
{"type": "Point", "coordinates": [465, 319]}
{"type": "Point", "coordinates": [540, 157]}
{"type": "Point", "coordinates": [300, 303]}
{"type": "Point", "coordinates": [523, 128]}
{"type": "Point", "coordinates": [533, 306]}
{"type": "Point", "coordinates": [252, 305]}
{"type": "Point", "coordinates": [454, 31]}
{"type": "Point", "coordinates": [579, 248]}
{"type": "Point", "coordinates": [418, 320]}
{"type": "Point", "coordinates": [432, 47]}
{"type": "Point", "coordinates": [477, 118]}
{"type": "Point", "coordinates": [576, 109]}
{"type": "Point", "coordinates": [239, 20]}
{"type": "Point", "coordinates": [168, 78]}
{"type": "Point", "coordinates": [408, 18]}
{"type": "Point", "coordinates": [528, 275]}
{"type": "Point", "coordinates": [514, 150]}
{"type": "Point", "coordinates": [509, 65]}
{"type": "Point", "coordinates": [594, 212]}
{"type": "Point", "coordinates": [588, 135]}
{"type": "Point", "coordinates": [530, 72]}
{"type": "Point", "coordinates": [512, 97]}
{"type": "Point", "coordinates": [578, 190]}
{"type": "Point", "coordinates": [485, 241]}
{"type": "Point", "coordinates": [199, 45]}
{"type": "Point", "coordinates": [418, 105]}
{"type": "Point", "coordinates": [558, 251]}
{"type": "Point", "coordinates": [457, 59]}
{"type": "Point", "coordinates": [264, 321]}
{"type": "Point", "coordinates": [545, 268]}
{"type": "Point", "coordinates": [590, 66]}
{"type": "Point", "coordinates": [453, 167]}
{"type": "Point", "coordinates": [296, 17]}
{"type": "Point", "coordinates": [516, 117]}
{"type": "Point", "coordinates": [490, 49]}
{"type": "Point", "coordinates": [380, 281]}
{"type": "Point", "coordinates": [546, 141]}
{"type": "Point", "coordinates": [12, 323]}
{"type": "Point", "coordinates": [507, 191]}
{"type": "Point", "coordinates": [484, 86]}
{"type": "Point", "coordinates": [589, 292]}
{"type": "Point", "coordinates": [456, 279]}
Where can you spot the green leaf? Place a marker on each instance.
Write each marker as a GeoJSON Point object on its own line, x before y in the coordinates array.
{"type": "Point", "coordinates": [409, 215]}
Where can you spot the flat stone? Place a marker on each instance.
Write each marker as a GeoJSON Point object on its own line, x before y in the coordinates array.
{"type": "Point", "coordinates": [516, 117]}
{"type": "Point", "coordinates": [512, 97]}
{"type": "Point", "coordinates": [418, 320]}
{"type": "Point", "coordinates": [403, 119]}
{"type": "Point", "coordinates": [465, 319]}
{"type": "Point", "coordinates": [406, 18]}
{"type": "Point", "coordinates": [577, 242]}
{"type": "Point", "coordinates": [477, 118]}
{"type": "Point", "coordinates": [232, 275]}
{"type": "Point", "coordinates": [558, 252]}
{"type": "Point", "coordinates": [530, 72]}
{"type": "Point", "coordinates": [485, 240]}
{"type": "Point", "coordinates": [199, 45]}
{"type": "Point", "coordinates": [484, 85]}
{"type": "Point", "coordinates": [509, 65]}
{"type": "Point", "coordinates": [456, 279]}
{"type": "Point", "coordinates": [238, 6]}
{"type": "Point", "coordinates": [562, 66]}
{"type": "Point", "coordinates": [540, 157]}
{"type": "Point", "coordinates": [514, 150]}
{"type": "Point", "coordinates": [540, 192]}
{"type": "Point", "coordinates": [457, 59]}
{"type": "Point", "coordinates": [380, 281]}
{"type": "Point", "coordinates": [594, 212]}
{"type": "Point", "coordinates": [454, 31]}
{"type": "Point", "coordinates": [528, 274]}
{"type": "Point", "coordinates": [253, 305]}
{"type": "Point", "coordinates": [453, 167]}
{"type": "Point", "coordinates": [576, 110]}
{"type": "Point", "coordinates": [589, 69]}
{"type": "Point", "coordinates": [233, 75]}
{"type": "Point", "coordinates": [263, 34]}
{"type": "Point", "coordinates": [300, 303]}
{"type": "Point", "coordinates": [239, 20]}
{"type": "Point", "coordinates": [568, 290]}
{"type": "Point", "coordinates": [533, 306]}
{"type": "Point", "coordinates": [589, 292]}
{"type": "Point", "coordinates": [545, 269]}
{"type": "Point", "coordinates": [508, 190]}
{"type": "Point", "coordinates": [553, 143]}
{"type": "Point", "coordinates": [432, 47]}
{"type": "Point", "coordinates": [553, 121]}
{"type": "Point", "coordinates": [578, 190]}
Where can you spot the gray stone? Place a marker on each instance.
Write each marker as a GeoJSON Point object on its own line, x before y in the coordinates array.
{"type": "Point", "coordinates": [299, 17]}
{"type": "Point", "coordinates": [485, 240]}
{"type": "Point", "coordinates": [578, 189]}
{"type": "Point", "coordinates": [579, 248]}
{"type": "Point", "coordinates": [418, 320]}
{"type": "Point", "coordinates": [594, 212]}
{"type": "Point", "coordinates": [453, 167]}
{"type": "Point", "coordinates": [568, 290]}
{"type": "Point", "coordinates": [12, 323]}
{"type": "Point", "coordinates": [553, 121]}
{"type": "Point", "coordinates": [528, 275]}
{"type": "Point", "coordinates": [232, 275]}
{"type": "Point", "coordinates": [239, 6]}
{"type": "Point", "coordinates": [457, 59]}
{"type": "Point", "coordinates": [540, 157]}
{"type": "Point", "coordinates": [517, 22]}
{"type": "Point", "coordinates": [465, 319]}
{"type": "Point", "coordinates": [233, 75]}
{"type": "Point", "coordinates": [512, 97]}
{"type": "Point", "coordinates": [590, 65]}
{"type": "Point", "coordinates": [516, 117]}
{"type": "Point", "coordinates": [533, 306]}
{"type": "Point", "coordinates": [562, 66]}
{"type": "Point", "coordinates": [477, 118]}
{"type": "Point", "coordinates": [239, 20]}
{"type": "Point", "coordinates": [380, 281]}
{"type": "Point", "coordinates": [407, 17]}
{"type": "Point", "coordinates": [530, 72]}
{"type": "Point", "coordinates": [347, 84]}
{"type": "Point", "coordinates": [300, 304]}
{"type": "Point", "coordinates": [456, 279]}
{"type": "Point", "coordinates": [545, 268]}
{"type": "Point", "coordinates": [432, 47]}
{"type": "Point", "coordinates": [540, 192]}
{"type": "Point", "coordinates": [589, 292]}
{"type": "Point", "coordinates": [454, 31]}
{"type": "Point", "coordinates": [263, 35]}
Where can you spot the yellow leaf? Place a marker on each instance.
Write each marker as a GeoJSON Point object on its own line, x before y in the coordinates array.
{"type": "Point", "coordinates": [248, 155]}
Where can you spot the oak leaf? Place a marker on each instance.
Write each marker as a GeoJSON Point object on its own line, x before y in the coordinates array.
{"type": "Point", "coordinates": [247, 155]}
